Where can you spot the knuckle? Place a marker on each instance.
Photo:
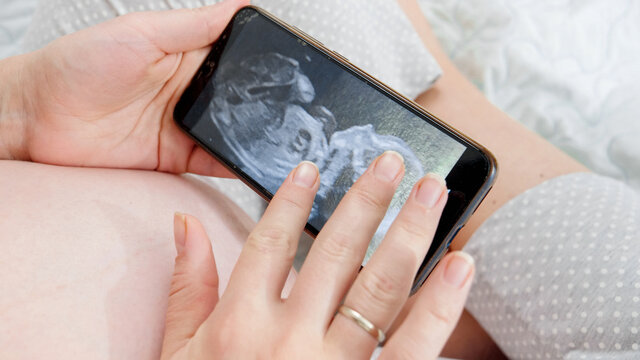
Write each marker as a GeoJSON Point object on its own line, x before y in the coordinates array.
{"type": "Point", "coordinates": [183, 277]}
{"type": "Point", "coordinates": [413, 229]}
{"type": "Point", "coordinates": [367, 199]}
{"type": "Point", "coordinates": [225, 341]}
{"type": "Point", "coordinates": [272, 240]}
{"type": "Point", "coordinates": [382, 290]}
{"type": "Point", "coordinates": [406, 257]}
{"type": "Point", "coordinates": [337, 247]}
{"type": "Point", "coordinates": [179, 284]}
{"type": "Point", "coordinates": [442, 316]}
{"type": "Point", "coordinates": [285, 344]}
{"type": "Point", "coordinates": [205, 21]}
{"type": "Point", "coordinates": [291, 203]}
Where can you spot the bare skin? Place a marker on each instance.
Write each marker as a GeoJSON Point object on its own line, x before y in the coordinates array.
{"type": "Point", "coordinates": [251, 320]}
{"type": "Point", "coordinates": [98, 262]}
{"type": "Point", "coordinates": [73, 290]}
{"type": "Point", "coordinates": [88, 256]}
{"type": "Point", "coordinates": [524, 160]}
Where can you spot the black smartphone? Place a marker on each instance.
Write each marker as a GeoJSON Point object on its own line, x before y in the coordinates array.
{"type": "Point", "coordinates": [269, 96]}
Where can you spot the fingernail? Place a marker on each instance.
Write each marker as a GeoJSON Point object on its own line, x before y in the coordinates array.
{"type": "Point", "coordinates": [458, 269]}
{"type": "Point", "coordinates": [306, 174]}
{"type": "Point", "coordinates": [388, 166]}
{"type": "Point", "coordinates": [430, 190]}
{"type": "Point", "coordinates": [180, 231]}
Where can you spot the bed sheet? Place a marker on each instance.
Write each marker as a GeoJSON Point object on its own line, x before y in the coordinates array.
{"type": "Point", "coordinates": [569, 70]}
{"type": "Point", "coordinates": [15, 17]}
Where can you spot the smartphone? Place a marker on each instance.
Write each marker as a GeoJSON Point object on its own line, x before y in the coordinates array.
{"type": "Point", "coordinates": [269, 96]}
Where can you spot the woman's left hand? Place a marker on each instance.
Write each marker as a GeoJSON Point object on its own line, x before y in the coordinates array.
{"type": "Point", "coordinates": [104, 96]}
{"type": "Point", "coordinates": [252, 321]}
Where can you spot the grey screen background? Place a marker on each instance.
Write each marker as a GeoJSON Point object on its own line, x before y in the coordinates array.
{"type": "Point", "coordinates": [275, 101]}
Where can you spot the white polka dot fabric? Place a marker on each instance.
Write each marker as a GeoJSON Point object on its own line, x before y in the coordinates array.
{"type": "Point", "coordinates": [559, 271]}
{"type": "Point", "coordinates": [374, 34]}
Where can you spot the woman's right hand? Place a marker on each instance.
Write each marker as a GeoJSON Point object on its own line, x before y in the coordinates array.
{"type": "Point", "coordinates": [251, 320]}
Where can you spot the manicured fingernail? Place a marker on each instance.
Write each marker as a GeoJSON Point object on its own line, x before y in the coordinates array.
{"type": "Point", "coordinates": [458, 269]}
{"type": "Point", "coordinates": [388, 166]}
{"type": "Point", "coordinates": [430, 190]}
{"type": "Point", "coordinates": [180, 231]}
{"type": "Point", "coordinates": [306, 174]}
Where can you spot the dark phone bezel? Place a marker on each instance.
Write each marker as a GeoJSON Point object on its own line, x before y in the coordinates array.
{"type": "Point", "coordinates": [469, 181]}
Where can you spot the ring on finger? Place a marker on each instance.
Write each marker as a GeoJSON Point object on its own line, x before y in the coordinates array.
{"type": "Point", "coordinates": [365, 324]}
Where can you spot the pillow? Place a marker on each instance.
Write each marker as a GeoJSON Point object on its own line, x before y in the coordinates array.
{"type": "Point", "coordinates": [569, 70]}
{"type": "Point", "coordinates": [375, 34]}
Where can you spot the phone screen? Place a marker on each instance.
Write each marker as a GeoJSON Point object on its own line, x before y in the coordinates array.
{"type": "Point", "coordinates": [272, 100]}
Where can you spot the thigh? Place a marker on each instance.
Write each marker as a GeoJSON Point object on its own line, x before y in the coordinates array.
{"type": "Point", "coordinates": [88, 254]}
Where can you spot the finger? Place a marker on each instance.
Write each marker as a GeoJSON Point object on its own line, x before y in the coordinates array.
{"type": "Point", "coordinates": [177, 153]}
{"type": "Point", "coordinates": [337, 252]}
{"type": "Point", "coordinates": [383, 286]}
{"type": "Point", "coordinates": [436, 311]}
{"type": "Point", "coordinates": [194, 285]}
{"type": "Point", "coordinates": [180, 30]}
{"type": "Point", "coordinates": [267, 256]}
{"type": "Point", "coordinates": [200, 162]}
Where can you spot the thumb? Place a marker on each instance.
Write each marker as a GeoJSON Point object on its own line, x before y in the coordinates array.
{"type": "Point", "coordinates": [181, 30]}
{"type": "Point", "coordinates": [194, 286]}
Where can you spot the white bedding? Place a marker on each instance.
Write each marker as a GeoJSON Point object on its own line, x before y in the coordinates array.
{"type": "Point", "coordinates": [15, 16]}
{"type": "Point", "coordinates": [569, 70]}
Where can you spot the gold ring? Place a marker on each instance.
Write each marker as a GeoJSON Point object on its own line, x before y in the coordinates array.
{"type": "Point", "coordinates": [365, 324]}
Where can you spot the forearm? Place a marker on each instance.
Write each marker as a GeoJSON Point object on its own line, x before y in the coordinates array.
{"type": "Point", "coordinates": [14, 108]}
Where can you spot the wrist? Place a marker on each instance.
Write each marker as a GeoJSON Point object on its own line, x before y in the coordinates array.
{"type": "Point", "coordinates": [14, 108]}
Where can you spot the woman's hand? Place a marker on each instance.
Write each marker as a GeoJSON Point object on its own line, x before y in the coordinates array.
{"type": "Point", "coordinates": [104, 96]}
{"type": "Point", "coordinates": [251, 320]}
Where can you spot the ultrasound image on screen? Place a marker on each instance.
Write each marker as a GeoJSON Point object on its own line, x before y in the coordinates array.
{"type": "Point", "coordinates": [274, 101]}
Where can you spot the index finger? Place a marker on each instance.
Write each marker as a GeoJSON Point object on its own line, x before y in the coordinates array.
{"type": "Point", "coordinates": [267, 256]}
